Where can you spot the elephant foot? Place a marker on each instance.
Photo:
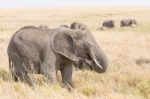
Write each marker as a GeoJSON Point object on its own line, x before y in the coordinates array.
{"type": "Point", "coordinates": [68, 85]}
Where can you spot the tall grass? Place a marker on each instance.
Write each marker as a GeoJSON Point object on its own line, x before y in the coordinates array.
{"type": "Point", "coordinates": [126, 78]}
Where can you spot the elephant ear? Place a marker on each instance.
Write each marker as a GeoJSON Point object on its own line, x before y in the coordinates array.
{"type": "Point", "coordinates": [63, 44]}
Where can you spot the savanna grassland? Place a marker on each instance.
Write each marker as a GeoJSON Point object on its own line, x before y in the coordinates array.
{"type": "Point", "coordinates": [128, 51]}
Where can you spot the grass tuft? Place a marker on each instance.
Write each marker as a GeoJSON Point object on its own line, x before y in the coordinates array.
{"type": "Point", "coordinates": [4, 75]}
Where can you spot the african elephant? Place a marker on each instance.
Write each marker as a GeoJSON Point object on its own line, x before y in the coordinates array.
{"type": "Point", "coordinates": [128, 22]}
{"type": "Point", "coordinates": [108, 24]}
{"type": "Point", "coordinates": [43, 26]}
{"type": "Point", "coordinates": [64, 26]}
{"type": "Point", "coordinates": [34, 50]}
{"type": "Point", "coordinates": [79, 26]}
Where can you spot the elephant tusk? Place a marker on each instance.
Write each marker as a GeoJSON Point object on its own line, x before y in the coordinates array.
{"type": "Point", "coordinates": [95, 61]}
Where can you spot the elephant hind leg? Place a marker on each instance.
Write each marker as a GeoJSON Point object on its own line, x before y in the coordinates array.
{"type": "Point", "coordinates": [14, 75]}
{"type": "Point", "coordinates": [19, 69]}
{"type": "Point", "coordinates": [12, 72]}
{"type": "Point", "coordinates": [24, 76]}
{"type": "Point", "coordinates": [20, 73]}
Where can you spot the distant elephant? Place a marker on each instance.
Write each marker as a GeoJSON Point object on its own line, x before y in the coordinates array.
{"type": "Point", "coordinates": [78, 26]}
{"type": "Point", "coordinates": [128, 22]}
{"type": "Point", "coordinates": [64, 26]}
{"type": "Point", "coordinates": [43, 26]}
{"type": "Point", "coordinates": [108, 24]}
{"type": "Point", "coordinates": [34, 50]}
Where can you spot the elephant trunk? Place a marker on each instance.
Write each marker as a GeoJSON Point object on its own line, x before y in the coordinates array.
{"type": "Point", "coordinates": [100, 62]}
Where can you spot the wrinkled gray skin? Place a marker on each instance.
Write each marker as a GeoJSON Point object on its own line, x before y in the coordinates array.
{"type": "Point", "coordinates": [64, 26]}
{"type": "Point", "coordinates": [128, 22]}
{"type": "Point", "coordinates": [78, 26]}
{"type": "Point", "coordinates": [34, 50]}
{"type": "Point", "coordinates": [43, 26]}
{"type": "Point", "coordinates": [108, 24]}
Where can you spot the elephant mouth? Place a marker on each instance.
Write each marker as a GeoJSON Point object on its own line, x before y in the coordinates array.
{"type": "Point", "coordinates": [97, 64]}
{"type": "Point", "coordinates": [93, 62]}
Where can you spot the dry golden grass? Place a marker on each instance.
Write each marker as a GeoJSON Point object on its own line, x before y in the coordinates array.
{"type": "Point", "coordinates": [125, 78]}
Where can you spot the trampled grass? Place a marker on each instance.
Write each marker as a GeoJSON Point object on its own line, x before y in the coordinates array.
{"type": "Point", "coordinates": [125, 47]}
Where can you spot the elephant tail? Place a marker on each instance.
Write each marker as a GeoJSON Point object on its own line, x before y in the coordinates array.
{"type": "Point", "coordinates": [10, 63]}
{"type": "Point", "coordinates": [10, 66]}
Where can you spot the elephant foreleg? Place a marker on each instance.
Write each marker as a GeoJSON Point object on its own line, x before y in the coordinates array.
{"type": "Point", "coordinates": [48, 66]}
{"type": "Point", "coordinates": [49, 72]}
{"type": "Point", "coordinates": [66, 73]}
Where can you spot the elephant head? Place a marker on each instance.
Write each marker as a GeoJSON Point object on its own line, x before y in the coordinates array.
{"type": "Point", "coordinates": [63, 26]}
{"type": "Point", "coordinates": [76, 45]}
{"type": "Point", "coordinates": [134, 22]}
{"type": "Point", "coordinates": [43, 26]}
{"type": "Point", "coordinates": [78, 26]}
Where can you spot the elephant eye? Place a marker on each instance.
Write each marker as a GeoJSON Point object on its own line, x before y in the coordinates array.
{"type": "Point", "coordinates": [86, 45]}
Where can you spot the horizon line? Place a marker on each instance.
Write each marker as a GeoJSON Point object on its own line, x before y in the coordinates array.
{"type": "Point", "coordinates": [81, 6]}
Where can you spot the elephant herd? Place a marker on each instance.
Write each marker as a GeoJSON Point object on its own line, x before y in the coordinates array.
{"type": "Point", "coordinates": [42, 50]}
{"type": "Point", "coordinates": [123, 23]}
